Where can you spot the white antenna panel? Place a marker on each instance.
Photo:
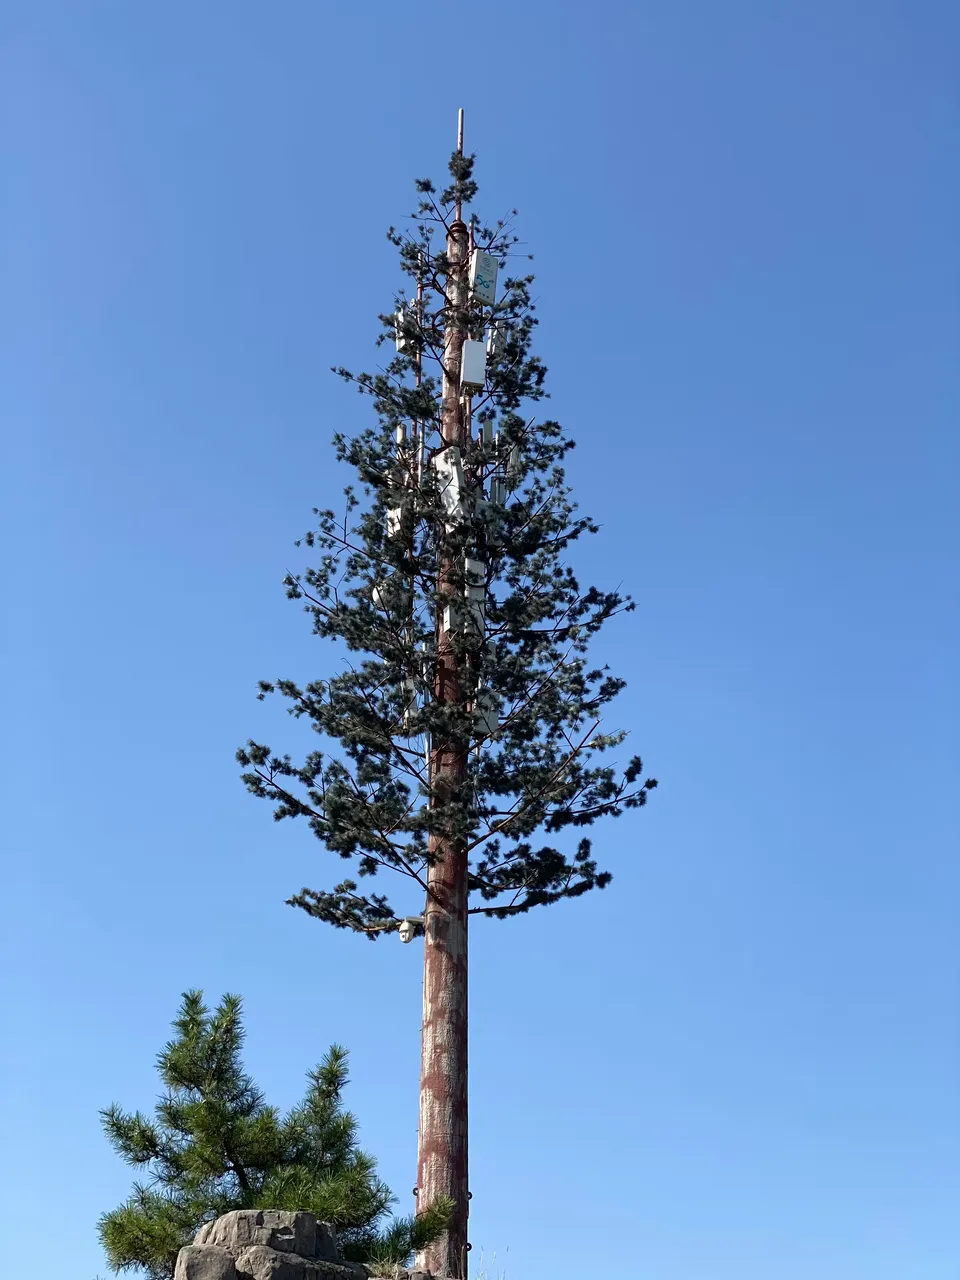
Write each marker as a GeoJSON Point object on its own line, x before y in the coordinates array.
{"type": "Point", "coordinates": [450, 480]}
{"type": "Point", "coordinates": [483, 278]}
{"type": "Point", "coordinates": [451, 619]}
{"type": "Point", "coordinates": [475, 591]}
{"type": "Point", "coordinates": [470, 616]}
{"type": "Point", "coordinates": [476, 614]}
{"type": "Point", "coordinates": [475, 576]}
{"type": "Point", "coordinates": [395, 514]}
{"type": "Point", "coordinates": [496, 340]}
{"type": "Point", "coordinates": [473, 365]}
{"type": "Point", "coordinates": [485, 512]}
{"type": "Point", "coordinates": [487, 712]}
{"type": "Point", "coordinates": [409, 702]}
{"type": "Point", "coordinates": [402, 336]}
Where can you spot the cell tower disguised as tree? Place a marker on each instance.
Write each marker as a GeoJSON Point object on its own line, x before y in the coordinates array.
{"type": "Point", "coordinates": [467, 714]}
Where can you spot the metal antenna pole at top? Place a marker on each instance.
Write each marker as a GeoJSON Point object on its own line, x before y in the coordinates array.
{"type": "Point", "coordinates": [459, 150]}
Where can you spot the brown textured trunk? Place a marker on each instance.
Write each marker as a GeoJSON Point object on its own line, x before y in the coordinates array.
{"type": "Point", "coordinates": [442, 1158]}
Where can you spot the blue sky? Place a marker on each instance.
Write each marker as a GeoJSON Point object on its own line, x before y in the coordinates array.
{"type": "Point", "coordinates": [740, 1061]}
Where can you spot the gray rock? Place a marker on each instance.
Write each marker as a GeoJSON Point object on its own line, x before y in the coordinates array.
{"type": "Point", "coordinates": [204, 1262]}
{"type": "Point", "coordinates": [326, 1246]}
{"type": "Point", "coordinates": [279, 1229]}
{"type": "Point", "coordinates": [270, 1244]}
{"type": "Point", "coordinates": [262, 1263]}
{"type": "Point", "coordinates": [233, 1231]}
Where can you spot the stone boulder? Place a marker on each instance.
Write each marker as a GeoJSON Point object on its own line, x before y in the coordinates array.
{"type": "Point", "coordinates": [205, 1262]}
{"type": "Point", "coordinates": [298, 1233]}
{"type": "Point", "coordinates": [269, 1244]}
{"type": "Point", "coordinates": [260, 1262]}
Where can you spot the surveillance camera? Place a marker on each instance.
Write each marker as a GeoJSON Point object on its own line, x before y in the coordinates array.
{"type": "Point", "coordinates": [408, 928]}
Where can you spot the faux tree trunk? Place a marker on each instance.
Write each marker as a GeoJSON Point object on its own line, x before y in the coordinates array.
{"type": "Point", "coordinates": [442, 1162]}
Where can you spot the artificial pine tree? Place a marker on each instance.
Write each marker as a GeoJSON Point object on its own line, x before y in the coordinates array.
{"type": "Point", "coordinates": [215, 1146]}
{"type": "Point", "coordinates": [467, 714]}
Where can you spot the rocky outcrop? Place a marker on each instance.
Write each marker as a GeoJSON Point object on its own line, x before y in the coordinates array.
{"type": "Point", "coordinates": [269, 1244]}
{"type": "Point", "coordinates": [297, 1233]}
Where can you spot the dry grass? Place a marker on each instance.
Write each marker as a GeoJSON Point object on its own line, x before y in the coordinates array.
{"type": "Point", "coordinates": [393, 1271]}
{"type": "Point", "coordinates": [491, 1272]}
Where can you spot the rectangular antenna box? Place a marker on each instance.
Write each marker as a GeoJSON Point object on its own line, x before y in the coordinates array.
{"type": "Point", "coordinates": [450, 482]}
{"type": "Point", "coordinates": [483, 277]}
{"type": "Point", "coordinates": [487, 711]}
{"type": "Point", "coordinates": [475, 582]}
{"type": "Point", "coordinates": [473, 366]}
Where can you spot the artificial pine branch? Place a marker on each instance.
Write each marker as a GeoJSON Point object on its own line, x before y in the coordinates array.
{"type": "Point", "coordinates": [374, 588]}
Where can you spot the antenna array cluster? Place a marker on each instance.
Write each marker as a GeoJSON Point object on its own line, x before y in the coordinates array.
{"type": "Point", "coordinates": [474, 487]}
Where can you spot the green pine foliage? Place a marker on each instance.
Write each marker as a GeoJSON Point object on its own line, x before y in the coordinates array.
{"type": "Point", "coordinates": [540, 773]}
{"type": "Point", "coordinates": [215, 1145]}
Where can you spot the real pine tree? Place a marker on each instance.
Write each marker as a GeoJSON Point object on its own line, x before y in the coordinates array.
{"type": "Point", "coordinates": [215, 1145]}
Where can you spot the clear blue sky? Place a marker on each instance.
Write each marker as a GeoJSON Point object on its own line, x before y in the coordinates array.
{"type": "Point", "coordinates": [741, 1061]}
